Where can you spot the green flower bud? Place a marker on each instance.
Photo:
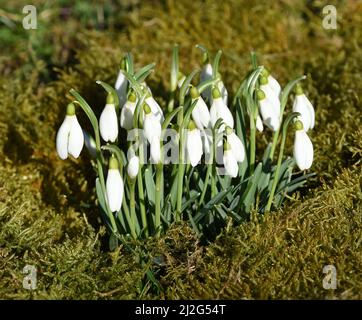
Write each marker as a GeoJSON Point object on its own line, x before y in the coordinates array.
{"type": "Point", "coordinates": [227, 146]}
{"type": "Point", "coordinates": [191, 125]}
{"type": "Point", "coordinates": [180, 75]}
{"type": "Point", "coordinates": [146, 108]}
{"type": "Point", "coordinates": [263, 80]}
{"type": "Point", "coordinates": [71, 109]}
{"type": "Point", "coordinates": [194, 93]}
{"type": "Point", "coordinates": [123, 64]}
{"type": "Point", "coordinates": [229, 130]}
{"type": "Point", "coordinates": [298, 125]}
{"type": "Point", "coordinates": [265, 73]}
{"type": "Point", "coordinates": [260, 94]}
{"type": "Point", "coordinates": [113, 163]}
{"type": "Point", "coordinates": [110, 98]}
{"type": "Point", "coordinates": [215, 93]}
{"type": "Point", "coordinates": [298, 90]}
{"type": "Point", "coordinates": [132, 97]}
{"type": "Point", "coordinates": [205, 58]}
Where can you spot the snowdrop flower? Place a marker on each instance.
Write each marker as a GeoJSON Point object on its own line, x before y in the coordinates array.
{"type": "Point", "coordinates": [155, 150]}
{"type": "Point", "coordinates": [236, 145]}
{"type": "Point", "coordinates": [193, 144]}
{"type": "Point", "coordinates": [151, 125]}
{"type": "Point", "coordinates": [121, 85]}
{"type": "Point", "coordinates": [270, 94]}
{"type": "Point", "coordinates": [133, 165]}
{"type": "Point", "coordinates": [114, 186]}
{"type": "Point", "coordinates": [304, 107]}
{"type": "Point", "coordinates": [70, 138]}
{"type": "Point", "coordinates": [259, 123]}
{"type": "Point", "coordinates": [108, 122]}
{"type": "Point", "coordinates": [270, 119]}
{"type": "Point", "coordinates": [274, 84]}
{"type": "Point", "coordinates": [200, 114]}
{"type": "Point", "coordinates": [155, 108]}
{"type": "Point", "coordinates": [220, 110]}
{"type": "Point", "coordinates": [303, 147]}
{"type": "Point", "coordinates": [230, 163]}
{"type": "Point", "coordinates": [127, 112]}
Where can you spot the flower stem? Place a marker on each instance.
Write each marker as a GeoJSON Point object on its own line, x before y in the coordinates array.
{"type": "Point", "coordinates": [141, 195]}
{"type": "Point", "coordinates": [252, 144]}
{"type": "Point", "coordinates": [159, 169]}
{"type": "Point", "coordinates": [274, 144]}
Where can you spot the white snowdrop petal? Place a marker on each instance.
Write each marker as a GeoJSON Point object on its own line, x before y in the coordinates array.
{"type": "Point", "coordinates": [300, 105]}
{"type": "Point", "coordinates": [155, 108]}
{"type": "Point", "coordinates": [194, 146]}
{"type": "Point", "coordinates": [155, 150]}
{"type": "Point", "coordinates": [133, 166]}
{"type": "Point", "coordinates": [311, 111]}
{"type": "Point", "coordinates": [259, 124]}
{"type": "Point", "coordinates": [121, 88]}
{"type": "Point", "coordinates": [230, 164]}
{"type": "Point", "coordinates": [274, 84]}
{"type": "Point", "coordinates": [127, 112]}
{"type": "Point", "coordinates": [201, 114]}
{"type": "Point", "coordinates": [63, 138]}
{"type": "Point", "coordinates": [76, 138]}
{"type": "Point", "coordinates": [272, 97]}
{"type": "Point", "coordinates": [270, 119]}
{"type": "Point", "coordinates": [108, 123]}
{"type": "Point", "coordinates": [237, 147]}
{"type": "Point", "coordinates": [303, 150]}
{"type": "Point", "coordinates": [220, 110]}
{"type": "Point", "coordinates": [223, 92]}
{"type": "Point", "coordinates": [151, 127]}
{"type": "Point", "coordinates": [114, 189]}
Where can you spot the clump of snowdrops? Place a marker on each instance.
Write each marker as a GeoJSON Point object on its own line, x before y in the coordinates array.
{"type": "Point", "coordinates": [195, 159]}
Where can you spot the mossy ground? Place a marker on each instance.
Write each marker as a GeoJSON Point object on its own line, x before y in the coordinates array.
{"type": "Point", "coordinates": [48, 214]}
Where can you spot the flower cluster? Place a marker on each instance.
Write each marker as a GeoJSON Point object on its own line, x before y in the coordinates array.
{"type": "Point", "coordinates": [215, 174]}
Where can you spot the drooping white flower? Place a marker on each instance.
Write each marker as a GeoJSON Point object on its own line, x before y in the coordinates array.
{"type": "Point", "coordinates": [193, 144]}
{"type": "Point", "coordinates": [114, 186]}
{"type": "Point", "coordinates": [155, 150]}
{"type": "Point", "coordinates": [108, 122]}
{"type": "Point", "coordinates": [229, 160]}
{"type": "Point", "coordinates": [305, 108]}
{"type": "Point", "coordinates": [133, 166]}
{"type": "Point", "coordinates": [272, 82]}
{"type": "Point", "coordinates": [270, 94]}
{"type": "Point", "coordinates": [220, 110]}
{"type": "Point", "coordinates": [151, 125]}
{"type": "Point", "coordinates": [259, 123]}
{"type": "Point", "coordinates": [127, 112]}
{"type": "Point", "coordinates": [155, 108]}
{"type": "Point", "coordinates": [270, 119]}
{"type": "Point", "coordinates": [121, 87]}
{"type": "Point", "coordinates": [200, 113]}
{"type": "Point", "coordinates": [236, 145]}
{"type": "Point", "coordinates": [303, 147]}
{"type": "Point", "coordinates": [70, 138]}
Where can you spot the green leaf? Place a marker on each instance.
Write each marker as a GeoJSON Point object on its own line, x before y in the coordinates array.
{"type": "Point", "coordinates": [215, 66]}
{"type": "Point", "coordinates": [121, 157]}
{"type": "Point", "coordinates": [174, 68]}
{"type": "Point", "coordinates": [150, 184]}
{"type": "Point", "coordinates": [287, 89]}
{"type": "Point", "coordinates": [144, 72]}
{"type": "Point", "coordinates": [193, 196]}
{"type": "Point", "coordinates": [101, 196]}
{"type": "Point", "coordinates": [185, 85]}
{"type": "Point", "coordinates": [113, 242]}
{"type": "Point", "coordinates": [110, 90]}
{"type": "Point", "coordinates": [129, 63]}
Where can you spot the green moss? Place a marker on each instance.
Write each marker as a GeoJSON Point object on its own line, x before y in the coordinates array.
{"type": "Point", "coordinates": [48, 212]}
